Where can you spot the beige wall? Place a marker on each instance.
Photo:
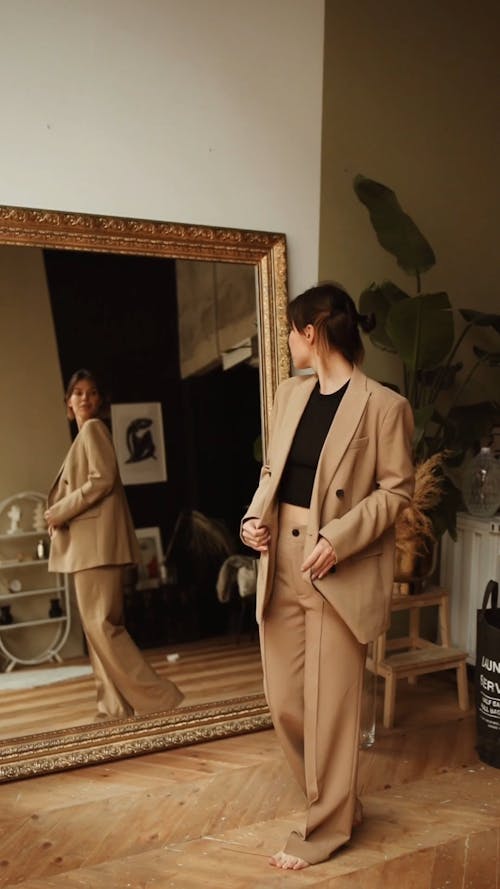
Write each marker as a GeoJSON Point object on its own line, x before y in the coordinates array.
{"type": "Point", "coordinates": [35, 433]}
{"type": "Point", "coordinates": [410, 99]}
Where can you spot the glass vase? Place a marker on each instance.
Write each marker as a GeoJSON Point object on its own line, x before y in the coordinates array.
{"type": "Point", "coordinates": [481, 484]}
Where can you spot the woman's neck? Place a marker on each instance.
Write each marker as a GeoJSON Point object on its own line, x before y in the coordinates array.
{"type": "Point", "coordinates": [333, 372]}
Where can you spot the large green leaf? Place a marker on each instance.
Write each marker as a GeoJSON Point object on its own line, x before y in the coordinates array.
{"type": "Point", "coordinates": [395, 230]}
{"type": "Point", "coordinates": [378, 298]}
{"type": "Point", "coordinates": [422, 330]}
{"type": "Point", "coordinates": [444, 515]}
{"type": "Point", "coordinates": [434, 439]}
{"type": "Point", "coordinates": [422, 415]}
{"type": "Point", "coordinates": [469, 423]}
{"type": "Point", "coordinates": [491, 359]}
{"type": "Point", "coordinates": [481, 319]}
{"type": "Point", "coordinates": [445, 373]}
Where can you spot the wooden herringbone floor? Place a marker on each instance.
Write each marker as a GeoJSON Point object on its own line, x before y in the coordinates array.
{"type": "Point", "coordinates": [206, 671]}
{"type": "Point", "coordinates": [209, 816]}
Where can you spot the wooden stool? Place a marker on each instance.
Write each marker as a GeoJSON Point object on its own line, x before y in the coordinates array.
{"type": "Point", "coordinates": [421, 656]}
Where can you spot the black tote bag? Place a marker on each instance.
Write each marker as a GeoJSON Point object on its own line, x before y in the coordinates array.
{"type": "Point", "coordinates": [487, 677]}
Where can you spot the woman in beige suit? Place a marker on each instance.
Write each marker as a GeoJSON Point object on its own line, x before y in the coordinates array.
{"type": "Point", "coordinates": [92, 537]}
{"type": "Point", "coordinates": [339, 470]}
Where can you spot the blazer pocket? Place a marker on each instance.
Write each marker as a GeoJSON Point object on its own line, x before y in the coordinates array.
{"type": "Point", "coordinates": [357, 443]}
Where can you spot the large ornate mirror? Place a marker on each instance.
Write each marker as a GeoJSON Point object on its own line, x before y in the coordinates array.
{"type": "Point", "coordinates": [191, 250]}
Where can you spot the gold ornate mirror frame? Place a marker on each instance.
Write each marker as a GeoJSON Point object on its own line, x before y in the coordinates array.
{"type": "Point", "coordinates": [85, 745]}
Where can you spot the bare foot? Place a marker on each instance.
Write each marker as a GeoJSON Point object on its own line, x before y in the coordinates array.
{"type": "Point", "coordinates": [288, 862]}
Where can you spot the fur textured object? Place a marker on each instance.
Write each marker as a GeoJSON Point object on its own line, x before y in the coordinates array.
{"type": "Point", "coordinates": [237, 572]}
{"type": "Point", "coordinates": [415, 535]}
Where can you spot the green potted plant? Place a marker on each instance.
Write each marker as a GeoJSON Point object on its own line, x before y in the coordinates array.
{"type": "Point", "coordinates": [420, 328]}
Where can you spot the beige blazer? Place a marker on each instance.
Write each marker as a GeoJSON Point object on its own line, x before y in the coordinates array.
{"type": "Point", "coordinates": [88, 503]}
{"type": "Point", "coordinates": [364, 478]}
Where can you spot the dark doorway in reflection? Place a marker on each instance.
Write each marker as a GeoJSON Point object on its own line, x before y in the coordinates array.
{"type": "Point", "coordinates": [118, 315]}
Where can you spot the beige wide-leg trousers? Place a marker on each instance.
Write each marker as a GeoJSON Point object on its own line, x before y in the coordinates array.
{"type": "Point", "coordinates": [313, 677]}
{"type": "Point", "coordinates": [125, 683]}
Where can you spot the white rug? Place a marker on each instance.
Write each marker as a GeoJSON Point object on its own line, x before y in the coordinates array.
{"type": "Point", "coordinates": [34, 678]}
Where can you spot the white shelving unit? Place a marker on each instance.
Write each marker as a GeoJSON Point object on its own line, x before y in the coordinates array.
{"type": "Point", "coordinates": [27, 590]}
{"type": "Point", "coordinates": [466, 568]}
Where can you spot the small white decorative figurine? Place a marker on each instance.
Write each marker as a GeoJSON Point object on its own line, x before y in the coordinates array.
{"type": "Point", "coordinates": [14, 515]}
{"type": "Point", "coordinates": [38, 519]}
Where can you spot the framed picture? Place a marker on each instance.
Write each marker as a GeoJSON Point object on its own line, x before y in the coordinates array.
{"type": "Point", "coordinates": [138, 437]}
{"type": "Point", "coordinates": [151, 557]}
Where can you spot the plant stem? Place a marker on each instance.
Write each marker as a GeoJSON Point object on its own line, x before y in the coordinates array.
{"type": "Point", "coordinates": [467, 379]}
{"type": "Point", "coordinates": [412, 396]}
{"type": "Point", "coordinates": [440, 376]}
{"type": "Point", "coordinates": [440, 424]}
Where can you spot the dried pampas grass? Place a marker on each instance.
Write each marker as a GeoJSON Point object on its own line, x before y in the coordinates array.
{"type": "Point", "coordinates": [415, 535]}
{"type": "Point", "coordinates": [197, 544]}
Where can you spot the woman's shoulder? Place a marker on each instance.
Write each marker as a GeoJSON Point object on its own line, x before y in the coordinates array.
{"type": "Point", "coordinates": [383, 398]}
{"type": "Point", "coordinates": [94, 429]}
{"type": "Point", "coordinates": [287, 389]}
{"type": "Point", "coordinates": [384, 393]}
{"type": "Point", "coordinates": [295, 382]}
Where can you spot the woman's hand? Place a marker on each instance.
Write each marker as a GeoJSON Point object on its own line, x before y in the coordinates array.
{"type": "Point", "coordinates": [51, 526]}
{"type": "Point", "coordinates": [255, 535]}
{"type": "Point", "coordinates": [320, 561]}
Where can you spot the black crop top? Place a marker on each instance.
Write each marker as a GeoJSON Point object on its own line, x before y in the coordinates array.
{"type": "Point", "coordinates": [300, 469]}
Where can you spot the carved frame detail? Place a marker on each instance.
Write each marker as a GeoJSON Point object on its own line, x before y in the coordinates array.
{"type": "Point", "coordinates": [266, 251]}
{"type": "Point", "coordinates": [21, 226]}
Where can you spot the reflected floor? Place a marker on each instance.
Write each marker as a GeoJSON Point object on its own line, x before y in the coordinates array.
{"type": "Point", "coordinates": [205, 671]}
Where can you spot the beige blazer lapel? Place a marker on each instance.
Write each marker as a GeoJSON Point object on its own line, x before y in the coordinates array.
{"type": "Point", "coordinates": [68, 457]}
{"type": "Point", "coordinates": [54, 486]}
{"type": "Point", "coordinates": [57, 475]}
{"type": "Point", "coordinates": [339, 436]}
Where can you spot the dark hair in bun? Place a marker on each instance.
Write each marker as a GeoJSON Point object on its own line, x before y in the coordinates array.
{"type": "Point", "coordinates": [332, 312]}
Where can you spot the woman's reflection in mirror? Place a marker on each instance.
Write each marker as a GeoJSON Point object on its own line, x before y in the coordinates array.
{"type": "Point", "coordinates": [93, 538]}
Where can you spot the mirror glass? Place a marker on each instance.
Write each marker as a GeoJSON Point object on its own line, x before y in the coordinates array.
{"type": "Point", "coordinates": [187, 327]}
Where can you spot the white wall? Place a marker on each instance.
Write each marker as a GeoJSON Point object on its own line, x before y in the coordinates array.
{"type": "Point", "coordinates": [203, 111]}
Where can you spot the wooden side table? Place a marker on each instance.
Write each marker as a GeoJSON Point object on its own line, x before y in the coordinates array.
{"type": "Point", "coordinates": [413, 654]}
